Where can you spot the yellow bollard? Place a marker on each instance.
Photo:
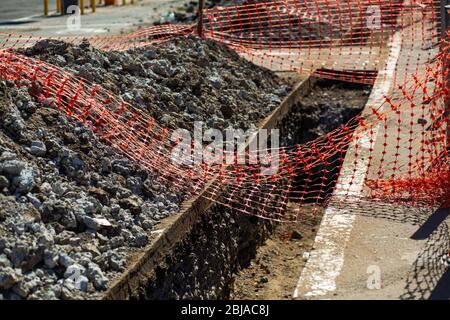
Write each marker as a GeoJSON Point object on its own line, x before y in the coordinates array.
{"type": "Point", "coordinates": [46, 7]}
{"type": "Point", "coordinates": [82, 6]}
{"type": "Point", "coordinates": [93, 5]}
{"type": "Point", "coordinates": [124, 2]}
{"type": "Point", "coordinates": [58, 6]}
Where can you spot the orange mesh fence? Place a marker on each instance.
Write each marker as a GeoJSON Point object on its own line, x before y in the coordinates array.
{"type": "Point", "coordinates": [395, 151]}
{"type": "Point", "coordinates": [140, 38]}
{"type": "Point", "coordinates": [328, 36]}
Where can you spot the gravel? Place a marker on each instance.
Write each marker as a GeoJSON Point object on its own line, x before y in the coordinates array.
{"type": "Point", "coordinates": [72, 210]}
{"type": "Point", "coordinates": [177, 82]}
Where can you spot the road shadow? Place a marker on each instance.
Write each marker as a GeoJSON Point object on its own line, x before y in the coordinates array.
{"type": "Point", "coordinates": [429, 276]}
{"type": "Point", "coordinates": [442, 289]}
{"type": "Point", "coordinates": [433, 221]}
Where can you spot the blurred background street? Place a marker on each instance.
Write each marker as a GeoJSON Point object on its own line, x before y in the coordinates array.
{"type": "Point", "coordinates": [19, 9]}
{"type": "Point", "coordinates": [27, 17]}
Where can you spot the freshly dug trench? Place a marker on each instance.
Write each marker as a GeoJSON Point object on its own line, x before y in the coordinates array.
{"type": "Point", "coordinates": [73, 210]}
{"type": "Point", "coordinates": [223, 241]}
{"type": "Point", "coordinates": [274, 272]}
{"type": "Point", "coordinates": [328, 106]}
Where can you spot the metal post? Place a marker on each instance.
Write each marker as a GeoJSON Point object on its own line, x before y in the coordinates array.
{"type": "Point", "coordinates": [445, 21]}
{"type": "Point", "coordinates": [94, 5]}
{"type": "Point", "coordinates": [58, 6]}
{"type": "Point", "coordinates": [46, 7]}
{"type": "Point", "coordinates": [201, 4]}
{"type": "Point", "coordinates": [445, 16]}
{"type": "Point", "coordinates": [82, 6]}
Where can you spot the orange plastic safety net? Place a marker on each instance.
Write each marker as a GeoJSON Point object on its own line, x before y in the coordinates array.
{"type": "Point", "coordinates": [396, 151]}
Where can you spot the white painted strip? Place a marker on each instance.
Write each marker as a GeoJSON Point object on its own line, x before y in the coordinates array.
{"type": "Point", "coordinates": [23, 19]}
{"type": "Point", "coordinates": [326, 260]}
{"type": "Point", "coordinates": [80, 31]}
{"type": "Point", "coordinates": [64, 26]}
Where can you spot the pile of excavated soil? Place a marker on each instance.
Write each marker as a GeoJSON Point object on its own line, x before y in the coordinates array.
{"type": "Point", "coordinates": [72, 210]}
{"type": "Point", "coordinates": [177, 82]}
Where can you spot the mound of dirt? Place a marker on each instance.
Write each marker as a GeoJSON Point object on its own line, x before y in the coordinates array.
{"type": "Point", "coordinates": [72, 209]}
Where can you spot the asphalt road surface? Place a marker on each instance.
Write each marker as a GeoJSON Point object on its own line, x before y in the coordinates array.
{"type": "Point", "coordinates": [11, 10]}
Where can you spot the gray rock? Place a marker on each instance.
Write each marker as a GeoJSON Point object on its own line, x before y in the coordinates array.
{"type": "Point", "coordinates": [134, 67]}
{"type": "Point", "coordinates": [150, 54]}
{"type": "Point", "coordinates": [132, 203]}
{"type": "Point", "coordinates": [65, 260]}
{"type": "Point", "coordinates": [23, 288]}
{"type": "Point", "coordinates": [12, 167]}
{"type": "Point", "coordinates": [64, 237]}
{"type": "Point", "coordinates": [61, 60]}
{"type": "Point", "coordinates": [4, 182]}
{"type": "Point", "coordinates": [87, 205]}
{"type": "Point", "coordinates": [45, 239]}
{"type": "Point", "coordinates": [166, 119]}
{"type": "Point", "coordinates": [51, 259]}
{"type": "Point", "coordinates": [92, 223]}
{"type": "Point", "coordinates": [227, 111]}
{"type": "Point", "coordinates": [74, 271]}
{"type": "Point", "coordinates": [84, 180]}
{"type": "Point", "coordinates": [116, 261]}
{"type": "Point", "coordinates": [40, 273]}
{"type": "Point", "coordinates": [25, 181]}
{"type": "Point", "coordinates": [122, 167]}
{"type": "Point", "coordinates": [59, 188]}
{"type": "Point", "coordinates": [215, 81]}
{"type": "Point", "coordinates": [7, 155]}
{"type": "Point", "coordinates": [48, 102]}
{"type": "Point", "coordinates": [116, 242]}
{"type": "Point", "coordinates": [161, 67]}
{"type": "Point", "coordinates": [140, 240]}
{"type": "Point", "coordinates": [68, 294]}
{"type": "Point", "coordinates": [34, 200]}
{"type": "Point", "coordinates": [97, 277]}
{"type": "Point", "coordinates": [43, 294]}
{"type": "Point", "coordinates": [18, 254]}
{"type": "Point", "coordinates": [135, 184]}
{"type": "Point", "coordinates": [81, 283]}
{"type": "Point", "coordinates": [106, 165]}
{"type": "Point", "coordinates": [55, 210]}
{"type": "Point", "coordinates": [46, 188]}
{"type": "Point", "coordinates": [14, 122]}
{"type": "Point", "coordinates": [70, 162]}
{"type": "Point", "coordinates": [3, 244]}
{"type": "Point", "coordinates": [8, 278]}
{"type": "Point", "coordinates": [4, 261]}
{"type": "Point", "coordinates": [38, 148]}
